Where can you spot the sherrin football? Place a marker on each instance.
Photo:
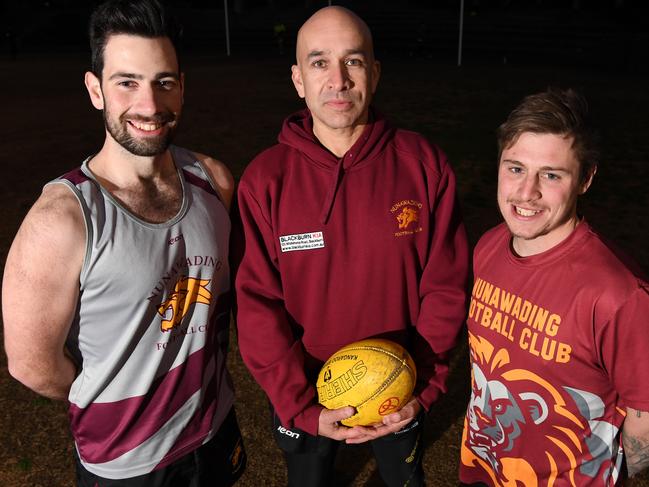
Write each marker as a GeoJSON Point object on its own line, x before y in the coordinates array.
{"type": "Point", "coordinates": [376, 376]}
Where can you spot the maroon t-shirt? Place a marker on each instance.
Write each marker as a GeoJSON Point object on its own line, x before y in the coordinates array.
{"type": "Point", "coordinates": [558, 345]}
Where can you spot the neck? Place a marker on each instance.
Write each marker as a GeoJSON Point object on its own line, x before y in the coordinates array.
{"type": "Point", "coordinates": [338, 141]}
{"type": "Point", "coordinates": [528, 247]}
{"type": "Point", "coordinates": [149, 187]}
{"type": "Point", "coordinates": [119, 166]}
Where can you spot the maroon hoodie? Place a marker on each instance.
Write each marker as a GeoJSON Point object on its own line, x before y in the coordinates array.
{"type": "Point", "coordinates": [341, 249]}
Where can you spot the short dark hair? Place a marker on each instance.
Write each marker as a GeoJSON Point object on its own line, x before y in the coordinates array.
{"type": "Point", "coordinates": [145, 18]}
{"type": "Point", "coordinates": [554, 111]}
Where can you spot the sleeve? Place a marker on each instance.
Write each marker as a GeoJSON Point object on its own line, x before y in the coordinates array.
{"type": "Point", "coordinates": [624, 349]}
{"type": "Point", "coordinates": [443, 290]}
{"type": "Point", "coordinates": [273, 355]}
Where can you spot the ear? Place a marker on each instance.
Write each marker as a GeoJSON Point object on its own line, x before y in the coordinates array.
{"type": "Point", "coordinates": [376, 74]}
{"type": "Point", "coordinates": [583, 187]}
{"type": "Point", "coordinates": [296, 76]}
{"type": "Point", "coordinates": [93, 85]}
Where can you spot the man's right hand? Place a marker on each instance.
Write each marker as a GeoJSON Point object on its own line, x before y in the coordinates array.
{"type": "Point", "coordinates": [328, 423]}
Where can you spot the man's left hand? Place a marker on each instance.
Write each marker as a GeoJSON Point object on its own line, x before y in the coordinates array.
{"type": "Point", "coordinates": [391, 423]}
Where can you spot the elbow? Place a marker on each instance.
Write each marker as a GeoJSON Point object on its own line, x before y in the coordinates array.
{"type": "Point", "coordinates": [29, 375]}
{"type": "Point", "coordinates": [23, 373]}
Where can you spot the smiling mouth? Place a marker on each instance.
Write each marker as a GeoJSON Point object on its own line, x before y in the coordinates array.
{"type": "Point", "coordinates": [524, 212]}
{"type": "Point", "coordinates": [146, 126]}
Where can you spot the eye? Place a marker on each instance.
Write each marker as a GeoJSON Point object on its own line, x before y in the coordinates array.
{"type": "Point", "coordinates": [127, 83]}
{"type": "Point", "coordinates": [354, 62]}
{"type": "Point", "coordinates": [318, 63]}
{"type": "Point", "coordinates": [552, 176]}
{"type": "Point", "coordinates": [515, 169]}
{"type": "Point", "coordinates": [167, 84]}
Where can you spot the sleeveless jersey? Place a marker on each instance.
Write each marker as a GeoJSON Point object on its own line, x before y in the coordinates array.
{"type": "Point", "coordinates": [151, 328]}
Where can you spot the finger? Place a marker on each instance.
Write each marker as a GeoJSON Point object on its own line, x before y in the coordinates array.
{"type": "Point", "coordinates": [335, 415]}
{"type": "Point", "coordinates": [407, 413]}
{"type": "Point", "coordinates": [363, 430]}
{"type": "Point", "coordinates": [373, 435]}
{"type": "Point", "coordinates": [397, 417]}
{"type": "Point", "coordinates": [350, 434]}
{"type": "Point", "coordinates": [394, 427]}
{"type": "Point", "coordinates": [357, 441]}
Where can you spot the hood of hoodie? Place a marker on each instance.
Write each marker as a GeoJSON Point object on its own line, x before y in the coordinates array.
{"type": "Point", "coordinates": [297, 132]}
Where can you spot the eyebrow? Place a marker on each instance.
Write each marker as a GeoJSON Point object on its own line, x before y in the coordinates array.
{"type": "Point", "coordinates": [313, 54]}
{"type": "Point", "coordinates": [543, 168]}
{"type": "Point", "coordinates": [318, 53]}
{"type": "Point", "coordinates": [164, 74]}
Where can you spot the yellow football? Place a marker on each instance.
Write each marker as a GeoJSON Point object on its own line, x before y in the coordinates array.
{"type": "Point", "coordinates": [376, 376]}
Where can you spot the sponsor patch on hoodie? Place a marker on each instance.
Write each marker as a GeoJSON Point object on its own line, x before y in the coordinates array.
{"type": "Point", "coordinates": [301, 241]}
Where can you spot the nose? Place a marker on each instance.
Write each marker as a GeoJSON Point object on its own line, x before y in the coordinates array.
{"type": "Point", "coordinates": [148, 101]}
{"type": "Point", "coordinates": [338, 77]}
{"type": "Point", "coordinates": [530, 189]}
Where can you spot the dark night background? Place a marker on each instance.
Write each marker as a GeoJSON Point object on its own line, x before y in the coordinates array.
{"type": "Point", "coordinates": [234, 106]}
{"type": "Point", "coordinates": [611, 34]}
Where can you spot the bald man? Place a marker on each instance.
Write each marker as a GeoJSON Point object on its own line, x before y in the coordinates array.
{"type": "Point", "coordinates": [351, 231]}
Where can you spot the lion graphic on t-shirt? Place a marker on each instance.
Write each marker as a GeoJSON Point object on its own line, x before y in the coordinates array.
{"type": "Point", "coordinates": [509, 406]}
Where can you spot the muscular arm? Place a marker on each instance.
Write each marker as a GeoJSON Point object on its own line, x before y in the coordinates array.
{"type": "Point", "coordinates": [635, 437]}
{"type": "Point", "coordinates": [40, 290]}
{"type": "Point", "coordinates": [221, 177]}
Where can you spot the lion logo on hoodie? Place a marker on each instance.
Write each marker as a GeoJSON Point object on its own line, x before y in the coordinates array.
{"type": "Point", "coordinates": [407, 216]}
{"type": "Point", "coordinates": [188, 291]}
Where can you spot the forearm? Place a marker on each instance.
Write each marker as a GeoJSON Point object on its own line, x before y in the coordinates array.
{"type": "Point", "coordinates": [636, 450]}
{"type": "Point", "coordinates": [51, 379]}
{"type": "Point", "coordinates": [635, 439]}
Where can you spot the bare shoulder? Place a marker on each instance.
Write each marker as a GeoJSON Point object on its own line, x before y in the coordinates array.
{"type": "Point", "coordinates": [221, 176]}
{"type": "Point", "coordinates": [53, 233]}
{"type": "Point", "coordinates": [56, 208]}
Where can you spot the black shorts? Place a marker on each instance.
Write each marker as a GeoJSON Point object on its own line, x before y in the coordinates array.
{"type": "Point", "coordinates": [310, 459]}
{"type": "Point", "coordinates": [218, 463]}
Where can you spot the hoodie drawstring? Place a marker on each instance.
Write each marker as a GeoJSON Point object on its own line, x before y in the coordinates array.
{"type": "Point", "coordinates": [331, 194]}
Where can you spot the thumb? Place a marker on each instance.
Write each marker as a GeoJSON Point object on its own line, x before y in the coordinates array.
{"type": "Point", "coordinates": [341, 413]}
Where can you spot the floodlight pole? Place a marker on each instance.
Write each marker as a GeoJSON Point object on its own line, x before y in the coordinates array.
{"type": "Point", "coordinates": [227, 27]}
{"type": "Point", "coordinates": [459, 42]}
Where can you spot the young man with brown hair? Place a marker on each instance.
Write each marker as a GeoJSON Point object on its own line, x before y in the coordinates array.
{"type": "Point", "coordinates": [557, 320]}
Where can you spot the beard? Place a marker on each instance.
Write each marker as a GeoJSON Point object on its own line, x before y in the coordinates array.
{"type": "Point", "coordinates": [146, 147]}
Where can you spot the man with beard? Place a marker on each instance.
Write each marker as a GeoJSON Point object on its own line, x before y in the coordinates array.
{"type": "Point", "coordinates": [116, 288]}
{"type": "Point", "coordinates": [351, 231]}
